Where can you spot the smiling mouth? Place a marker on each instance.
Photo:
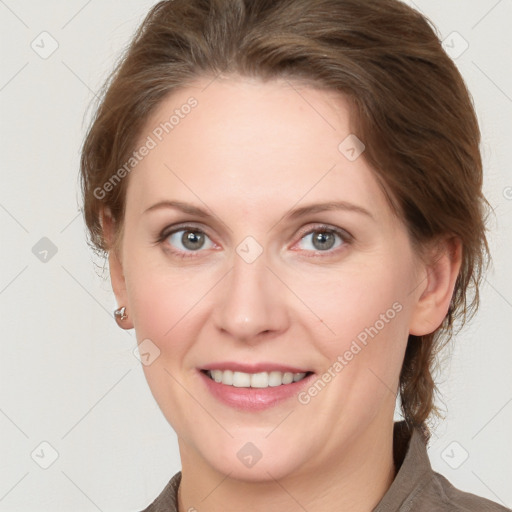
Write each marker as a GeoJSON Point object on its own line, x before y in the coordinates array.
{"type": "Point", "coordinates": [255, 380]}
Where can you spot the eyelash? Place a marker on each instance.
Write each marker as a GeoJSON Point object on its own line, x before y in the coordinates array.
{"type": "Point", "coordinates": [345, 237]}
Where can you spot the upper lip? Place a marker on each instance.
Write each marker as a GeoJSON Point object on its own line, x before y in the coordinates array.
{"type": "Point", "coordinates": [253, 368]}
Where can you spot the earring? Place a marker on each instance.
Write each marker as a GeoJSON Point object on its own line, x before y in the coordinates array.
{"type": "Point", "coordinates": [120, 315]}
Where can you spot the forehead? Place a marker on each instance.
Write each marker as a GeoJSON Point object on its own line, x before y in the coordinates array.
{"type": "Point", "coordinates": [250, 143]}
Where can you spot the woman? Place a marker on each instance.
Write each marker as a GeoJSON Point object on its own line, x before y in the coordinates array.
{"type": "Point", "coordinates": [290, 196]}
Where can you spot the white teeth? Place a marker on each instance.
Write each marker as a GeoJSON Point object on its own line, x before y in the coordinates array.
{"type": "Point", "coordinates": [227, 377]}
{"type": "Point", "coordinates": [259, 380]}
{"type": "Point", "coordinates": [287, 378]}
{"type": "Point", "coordinates": [275, 378]}
{"type": "Point", "coordinates": [216, 375]}
{"type": "Point", "coordinates": [254, 380]}
{"type": "Point", "coordinates": [241, 380]}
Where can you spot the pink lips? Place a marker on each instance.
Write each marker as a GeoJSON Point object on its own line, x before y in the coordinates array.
{"type": "Point", "coordinates": [253, 399]}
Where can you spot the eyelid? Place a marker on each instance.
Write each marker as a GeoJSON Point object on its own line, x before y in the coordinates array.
{"type": "Point", "coordinates": [186, 226]}
{"type": "Point", "coordinates": [169, 230]}
{"type": "Point", "coordinates": [344, 235]}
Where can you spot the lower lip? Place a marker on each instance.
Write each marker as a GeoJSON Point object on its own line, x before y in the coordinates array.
{"type": "Point", "coordinates": [254, 399]}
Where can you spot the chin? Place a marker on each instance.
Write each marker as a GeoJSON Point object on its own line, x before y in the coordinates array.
{"type": "Point", "coordinates": [251, 464]}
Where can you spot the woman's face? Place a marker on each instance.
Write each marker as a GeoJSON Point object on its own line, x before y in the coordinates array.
{"type": "Point", "coordinates": [252, 275]}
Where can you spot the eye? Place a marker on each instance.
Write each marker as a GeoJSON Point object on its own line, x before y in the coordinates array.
{"type": "Point", "coordinates": [324, 239]}
{"type": "Point", "coordinates": [187, 239]}
{"type": "Point", "coordinates": [184, 241]}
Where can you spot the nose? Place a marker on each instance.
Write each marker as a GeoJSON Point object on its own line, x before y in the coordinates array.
{"type": "Point", "coordinates": [252, 302]}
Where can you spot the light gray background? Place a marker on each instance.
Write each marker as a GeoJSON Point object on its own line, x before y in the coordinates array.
{"type": "Point", "coordinates": [68, 374]}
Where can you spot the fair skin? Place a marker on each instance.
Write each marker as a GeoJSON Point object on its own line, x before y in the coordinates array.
{"type": "Point", "coordinates": [248, 154]}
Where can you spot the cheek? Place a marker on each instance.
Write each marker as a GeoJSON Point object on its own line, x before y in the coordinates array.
{"type": "Point", "coordinates": [366, 312]}
{"type": "Point", "coordinates": [355, 302]}
{"type": "Point", "coordinates": [163, 312]}
{"type": "Point", "coordinates": [153, 306]}
{"type": "Point", "coordinates": [157, 298]}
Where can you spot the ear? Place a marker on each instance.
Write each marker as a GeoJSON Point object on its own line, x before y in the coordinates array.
{"type": "Point", "coordinates": [436, 294]}
{"type": "Point", "coordinates": [115, 265]}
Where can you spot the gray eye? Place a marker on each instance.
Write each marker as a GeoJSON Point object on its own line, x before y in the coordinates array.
{"type": "Point", "coordinates": [190, 240]}
{"type": "Point", "coordinates": [322, 240]}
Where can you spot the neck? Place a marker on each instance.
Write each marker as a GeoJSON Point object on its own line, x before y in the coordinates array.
{"type": "Point", "coordinates": [354, 480]}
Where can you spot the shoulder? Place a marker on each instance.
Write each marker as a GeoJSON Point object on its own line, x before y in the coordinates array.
{"type": "Point", "coordinates": [418, 488]}
{"type": "Point", "coordinates": [167, 500]}
{"type": "Point", "coordinates": [439, 495]}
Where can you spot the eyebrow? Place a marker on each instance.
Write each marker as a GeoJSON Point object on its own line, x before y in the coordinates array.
{"type": "Point", "coordinates": [293, 214]}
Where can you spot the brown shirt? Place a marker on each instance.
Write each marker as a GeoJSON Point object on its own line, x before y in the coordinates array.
{"type": "Point", "coordinates": [416, 487]}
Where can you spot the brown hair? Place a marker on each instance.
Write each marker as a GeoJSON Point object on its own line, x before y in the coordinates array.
{"type": "Point", "coordinates": [412, 110]}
